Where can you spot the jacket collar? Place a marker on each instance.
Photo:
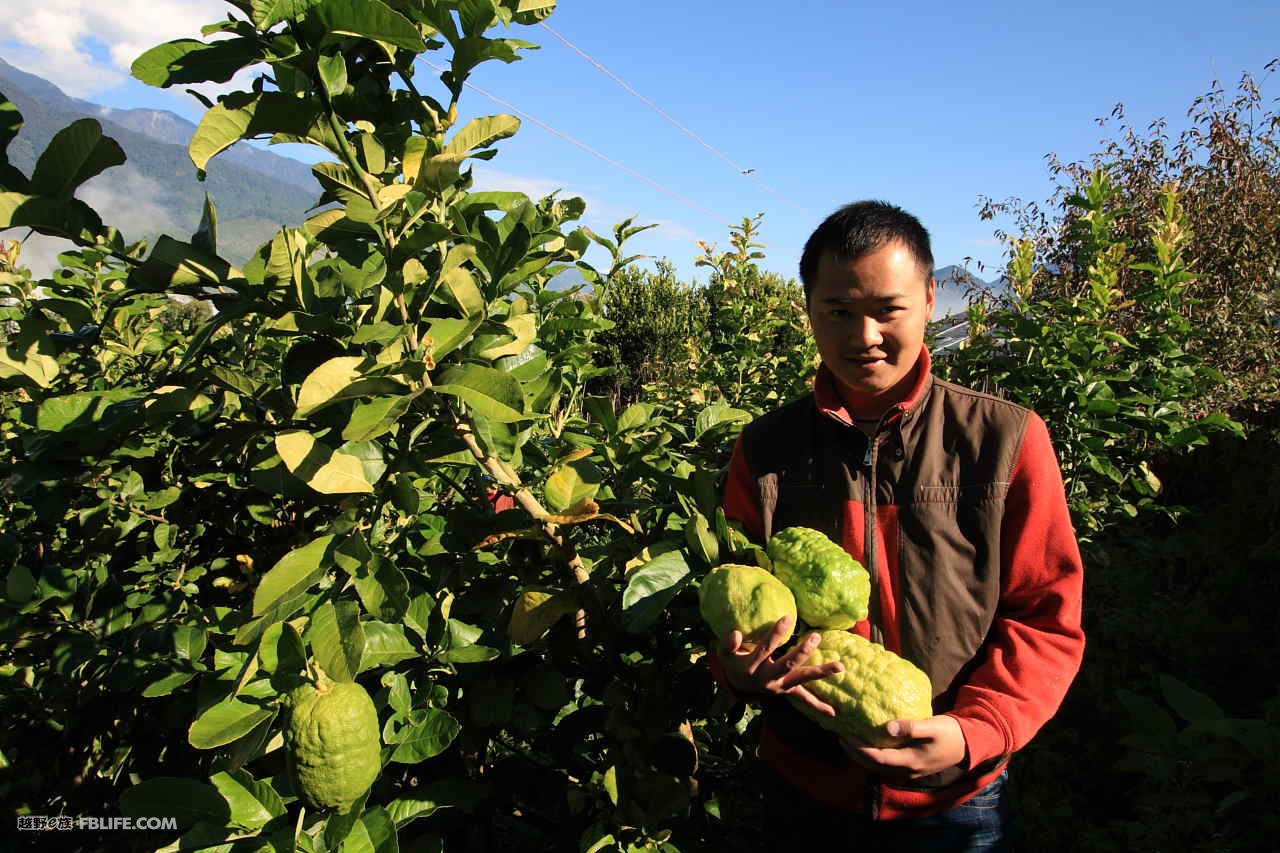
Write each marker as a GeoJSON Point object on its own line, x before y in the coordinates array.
{"type": "Point", "coordinates": [827, 395]}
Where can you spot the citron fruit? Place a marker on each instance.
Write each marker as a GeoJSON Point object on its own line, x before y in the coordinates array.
{"type": "Point", "coordinates": [832, 589]}
{"type": "Point", "coordinates": [877, 686]}
{"type": "Point", "coordinates": [744, 598]}
{"type": "Point", "coordinates": [333, 743]}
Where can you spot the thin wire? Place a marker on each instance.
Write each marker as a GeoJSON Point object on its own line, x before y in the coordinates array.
{"type": "Point", "coordinates": [623, 83]}
{"type": "Point", "coordinates": [589, 149]}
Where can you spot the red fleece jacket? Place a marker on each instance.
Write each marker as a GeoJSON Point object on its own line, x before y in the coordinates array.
{"type": "Point", "coordinates": [1032, 651]}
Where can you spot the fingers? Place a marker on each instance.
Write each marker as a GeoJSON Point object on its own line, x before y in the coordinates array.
{"type": "Point", "coordinates": [730, 643]}
{"type": "Point", "coordinates": [812, 701]}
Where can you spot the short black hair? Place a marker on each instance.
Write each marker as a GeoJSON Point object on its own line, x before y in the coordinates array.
{"type": "Point", "coordinates": [859, 229]}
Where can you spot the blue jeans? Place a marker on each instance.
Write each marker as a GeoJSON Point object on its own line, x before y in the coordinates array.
{"type": "Point", "coordinates": [983, 824]}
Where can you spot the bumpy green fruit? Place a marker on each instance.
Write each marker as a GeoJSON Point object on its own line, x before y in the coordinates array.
{"type": "Point", "coordinates": [744, 598]}
{"type": "Point", "coordinates": [333, 743]}
{"type": "Point", "coordinates": [876, 686]}
{"type": "Point", "coordinates": [831, 588]}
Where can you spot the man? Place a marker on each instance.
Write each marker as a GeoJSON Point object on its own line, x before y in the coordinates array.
{"type": "Point", "coordinates": [954, 502]}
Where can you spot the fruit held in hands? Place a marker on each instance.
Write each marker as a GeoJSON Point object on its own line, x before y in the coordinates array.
{"type": "Point", "coordinates": [877, 686]}
{"type": "Point", "coordinates": [831, 588]}
{"type": "Point", "coordinates": [744, 598]}
{"type": "Point", "coordinates": [333, 743]}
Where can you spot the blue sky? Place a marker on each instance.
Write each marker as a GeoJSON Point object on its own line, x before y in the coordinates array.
{"type": "Point", "coordinates": [930, 105]}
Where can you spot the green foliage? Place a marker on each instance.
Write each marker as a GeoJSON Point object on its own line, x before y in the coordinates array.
{"type": "Point", "coordinates": [201, 506]}
{"type": "Point", "coordinates": [758, 352]}
{"type": "Point", "coordinates": [1114, 400]}
{"type": "Point", "coordinates": [1226, 166]}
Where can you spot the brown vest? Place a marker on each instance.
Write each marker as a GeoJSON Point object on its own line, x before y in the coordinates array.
{"type": "Point", "coordinates": [946, 465]}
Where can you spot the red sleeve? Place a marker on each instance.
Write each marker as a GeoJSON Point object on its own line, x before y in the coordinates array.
{"type": "Point", "coordinates": [1036, 643]}
{"type": "Point", "coordinates": [741, 501]}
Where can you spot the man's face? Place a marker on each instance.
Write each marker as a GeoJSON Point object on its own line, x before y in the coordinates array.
{"type": "Point", "coordinates": [869, 317]}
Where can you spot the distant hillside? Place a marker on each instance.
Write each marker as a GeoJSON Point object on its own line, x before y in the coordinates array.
{"type": "Point", "coordinates": [156, 190]}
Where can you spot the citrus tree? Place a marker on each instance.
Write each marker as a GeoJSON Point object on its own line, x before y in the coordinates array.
{"type": "Point", "coordinates": [372, 464]}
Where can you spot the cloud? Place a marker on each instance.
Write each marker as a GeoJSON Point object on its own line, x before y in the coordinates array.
{"type": "Point", "coordinates": [87, 47]}
{"type": "Point", "coordinates": [121, 196]}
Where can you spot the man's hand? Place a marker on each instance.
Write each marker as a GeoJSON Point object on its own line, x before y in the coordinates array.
{"type": "Point", "coordinates": [755, 670]}
{"type": "Point", "coordinates": [933, 744]}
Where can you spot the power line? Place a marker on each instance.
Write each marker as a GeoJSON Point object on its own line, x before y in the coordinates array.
{"type": "Point", "coordinates": [623, 83]}
{"type": "Point", "coordinates": [589, 149]}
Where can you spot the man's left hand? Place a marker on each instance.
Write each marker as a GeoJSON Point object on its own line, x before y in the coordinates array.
{"type": "Point", "coordinates": [932, 745]}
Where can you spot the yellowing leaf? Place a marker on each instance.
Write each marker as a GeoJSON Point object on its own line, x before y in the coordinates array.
{"type": "Point", "coordinates": [534, 613]}
{"type": "Point", "coordinates": [319, 466]}
{"type": "Point", "coordinates": [524, 327]}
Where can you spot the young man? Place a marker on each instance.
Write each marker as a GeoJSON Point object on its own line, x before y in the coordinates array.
{"type": "Point", "coordinates": [954, 502]}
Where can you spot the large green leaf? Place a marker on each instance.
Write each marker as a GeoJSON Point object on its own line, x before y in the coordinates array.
{"type": "Point", "coordinates": [232, 718]}
{"type": "Point", "coordinates": [530, 12]}
{"type": "Point", "coordinates": [185, 800]}
{"type": "Point", "coordinates": [34, 363]}
{"type": "Point", "coordinates": [375, 417]}
{"type": "Point", "coordinates": [492, 393]}
{"type": "Point", "coordinates": [385, 644]}
{"type": "Point", "coordinates": [650, 588]}
{"type": "Point", "coordinates": [328, 471]}
{"type": "Point", "coordinates": [370, 19]}
{"type": "Point", "coordinates": [338, 379]}
{"type": "Point", "coordinates": [58, 217]}
{"type": "Point", "coordinates": [74, 155]}
{"type": "Point", "coordinates": [268, 13]}
{"type": "Point", "coordinates": [241, 116]}
{"type": "Point", "coordinates": [337, 638]}
{"type": "Point", "coordinates": [481, 132]}
{"type": "Point", "coordinates": [193, 61]}
{"type": "Point", "coordinates": [293, 574]}
{"type": "Point", "coordinates": [429, 736]}
{"type": "Point", "coordinates": [173, 265]}
{"type": "Point", "coordinates": [253, 804]}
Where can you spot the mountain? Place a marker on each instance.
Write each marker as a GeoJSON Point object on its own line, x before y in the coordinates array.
{"type": "Point", "coordinates": [955, 285]}
{"type": "Point", "coordinates": [156, 190]}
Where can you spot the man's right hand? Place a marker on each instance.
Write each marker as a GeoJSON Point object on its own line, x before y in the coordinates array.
{"type": "Point", "coordinates": [754, 670]}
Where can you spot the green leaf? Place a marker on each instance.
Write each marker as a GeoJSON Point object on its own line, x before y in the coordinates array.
{"type": "Point", "coordinates": [60, 217]}
{"type": "Point", "coordinates": [242, 798]}
{"type": "Point", "coordinates": [293, 574]}
{"type": "Point", "coordinates": [1191, 705]}
{"type": "Point", "coordinates": [232, 718]}
{"type": "Point", "coordinates": [374, 832]}
{"type": "Point", "coordinates": [461, 289]}
{"type": "Point", "coordinates": [333, 73]}
{"type": "Point", "coordinates": [241, 116]}
{"type": "Point", "coordinates": [482, 132]}
{"type": "Point", "coordinates": [193, 61]}
{"type": "Point", "coordinates": [337, 639]}
{"type": "Point", "coordinates": [206, 237]}
{"type": "Point", "coordinates": [268, 13]}
{"type": "Point", "coordinates": [650, 588]}
{"type": "Point", "coordinates": [449, 333]}
{"type": "Point", "coordinates": [383, 589]}
{"type": "Point", "coordinates": [636, 415]}
{"type": "Point", "coordinates": [74, 155]}
{"type": "Point", "coordinates": [328, 471]}
{"type": "Point", "coordinates": [375, 417]}
{"type": "Point", "coordinates": [10, 122]}
{"type": "Point", "coordinates": [571, 484]}
{"type": "Point", "coordinates": [385, 645]}
{"type": "Point", "coordinates": [523, 329]}
{"type": "Point", "coordinates": [173, 264]}
{"type": "Point", "coordinates": [186, 800]}
{"type": "Point", "coordinates": [338, 379]}
{"type": "Point", "coordinates": [281, 652]}
{"type": "Point", "coordinates": [370, 19]}
{"type": "Point", "coordinates": [492, 393]}
{"type": "Point", "coordinates": [429, 737]}
{"type": "Point", "coordinates": [529, 12]}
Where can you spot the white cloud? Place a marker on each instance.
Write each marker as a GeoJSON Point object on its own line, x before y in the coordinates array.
{"type": "Point", "coordinates": [55, 39]}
